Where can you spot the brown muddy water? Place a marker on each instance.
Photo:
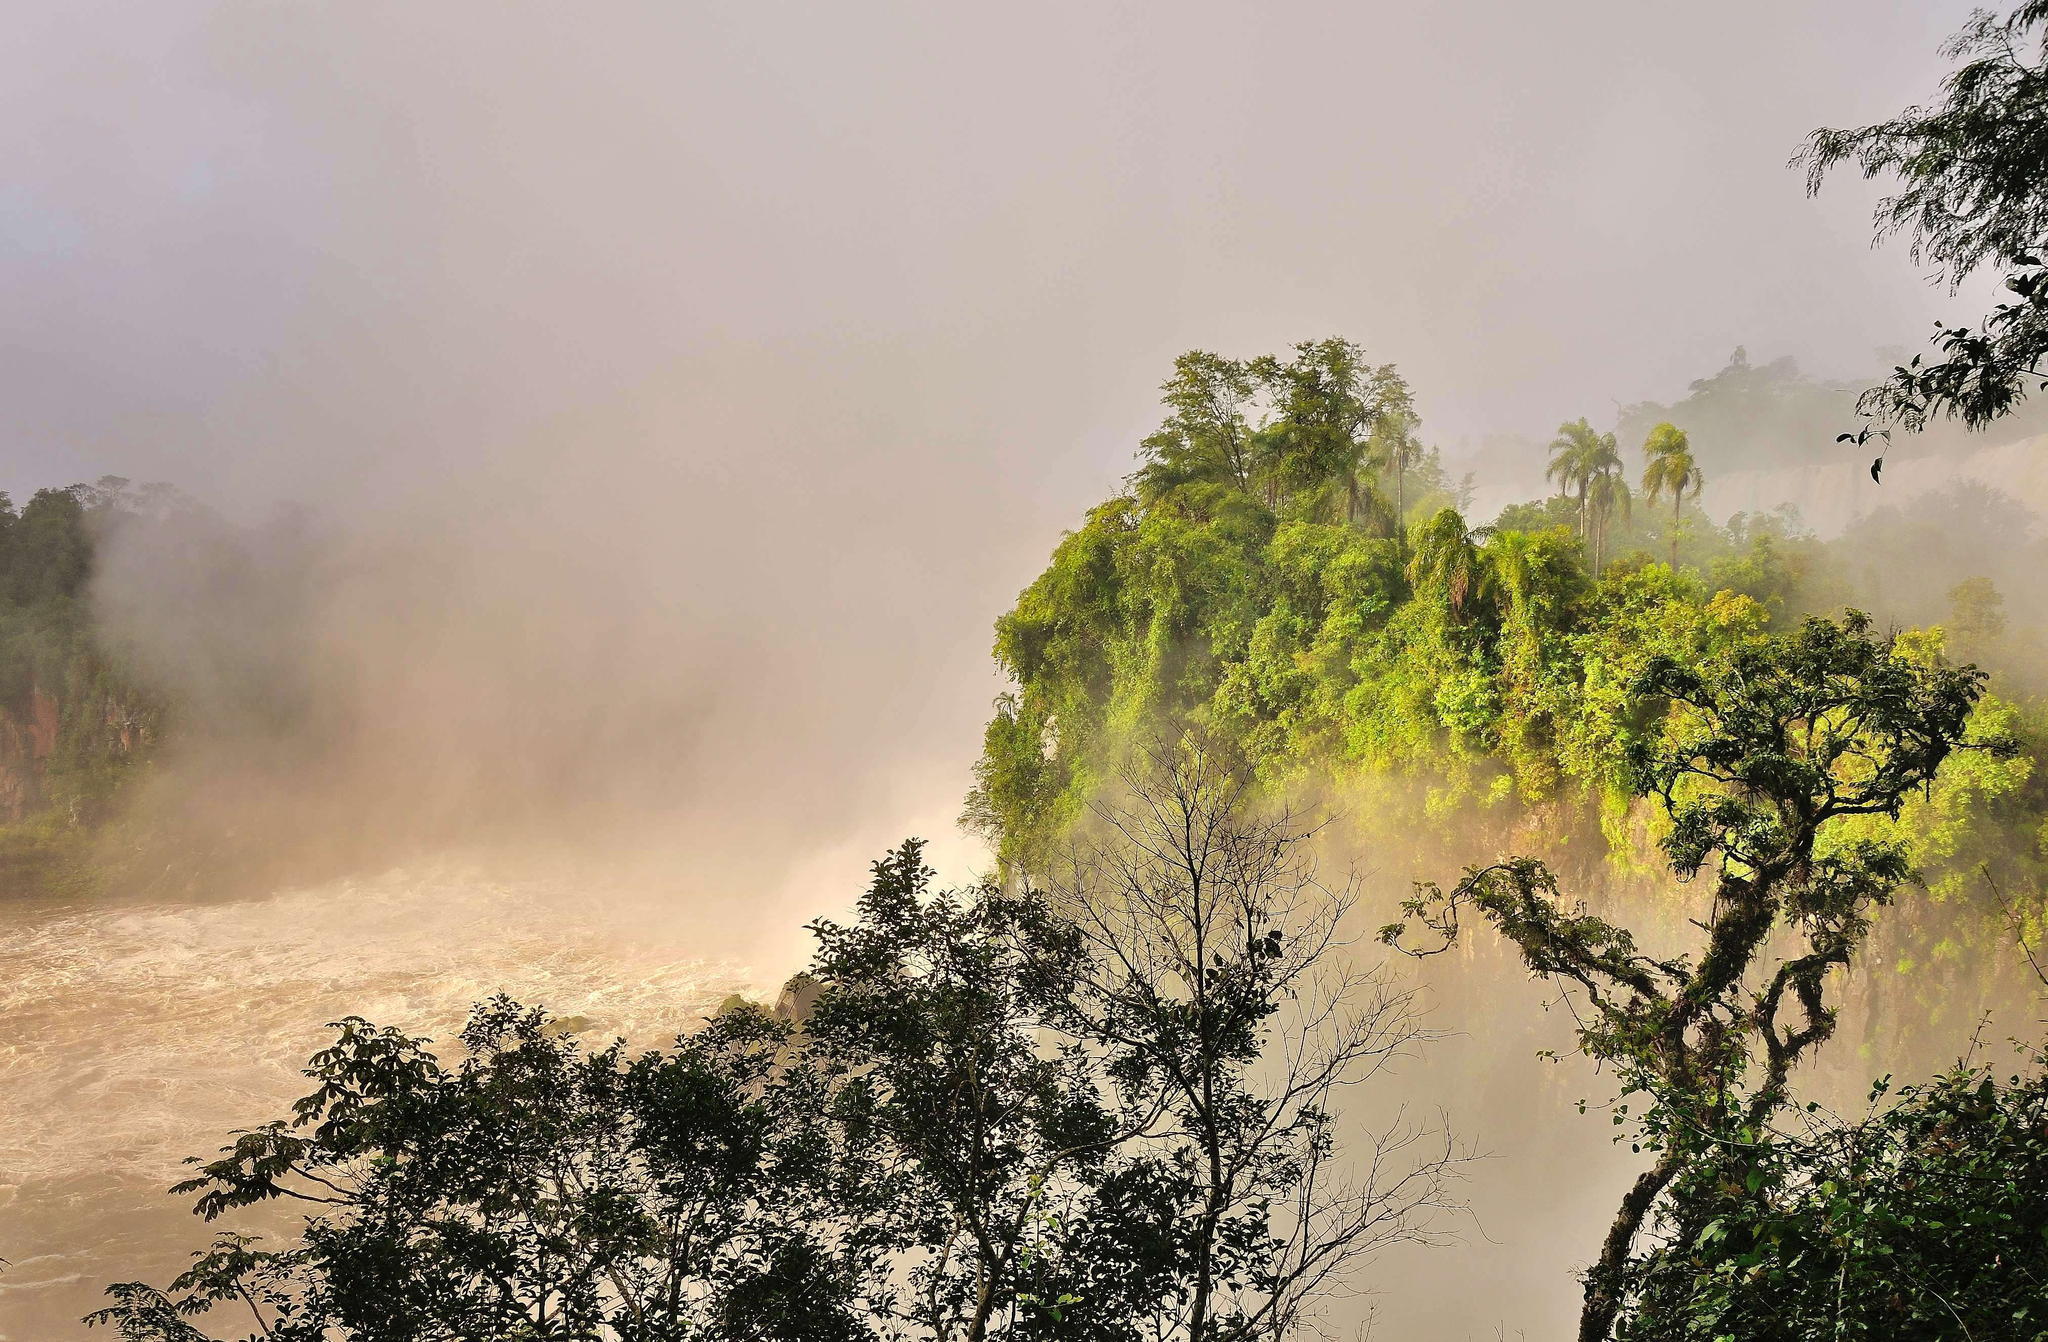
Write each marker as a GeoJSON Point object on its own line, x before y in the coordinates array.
{"type": "Point", "coordinates": [133, 1036]}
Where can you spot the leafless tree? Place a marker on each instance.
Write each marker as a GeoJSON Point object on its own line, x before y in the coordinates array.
{"type": "Point", "coordinates": [1222, 979]}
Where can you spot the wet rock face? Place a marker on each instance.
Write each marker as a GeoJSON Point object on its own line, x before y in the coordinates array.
{"type": "Point", "coordinates": [43, 722]}
{"type": "Point", "coordinates": [34, 727]}
{"type": "Point", "coordinates": [797, 998]}
{"type": "Point", "coordinates": [28, 733]}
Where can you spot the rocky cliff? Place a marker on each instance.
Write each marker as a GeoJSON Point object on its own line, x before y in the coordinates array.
{"type": "Point", "coordinates": [72, 722]}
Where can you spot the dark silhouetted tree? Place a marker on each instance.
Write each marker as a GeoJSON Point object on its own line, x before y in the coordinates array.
{"type": "Point", "coordinates": [1969, 194]}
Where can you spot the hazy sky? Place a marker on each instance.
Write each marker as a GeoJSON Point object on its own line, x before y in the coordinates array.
{"type": "Point", "coordinates": [299, 242]}
{"type": "Point", "coordinates": [801, 330]}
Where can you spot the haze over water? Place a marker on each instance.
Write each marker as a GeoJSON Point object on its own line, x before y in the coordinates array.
{"type": "Point", "coordinates": [667, 397]}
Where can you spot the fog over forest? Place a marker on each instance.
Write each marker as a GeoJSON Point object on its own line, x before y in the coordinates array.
{"type": "Point", "coordinates": [599, 442]}
{"type": "Point", "coordinates": [704, 357]}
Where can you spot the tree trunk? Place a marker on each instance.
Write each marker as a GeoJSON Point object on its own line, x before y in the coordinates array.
{"type": "Point", "coordinates": [1603, 1279]}
{"type": "Point", "coordinates": [1675, 500]}
{"type": "Point", "coordinates": [984, 1305]}
{"type": "Point", "coordinates": [1198, 1310]}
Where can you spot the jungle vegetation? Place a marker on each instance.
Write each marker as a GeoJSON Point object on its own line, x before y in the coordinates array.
{"type": "Point", "coordinates": [1099, 1098]}
{"type": "Point", "coordinates": [1256, 583]}
{"type": "Point", "coordinates": [1697, 696]}
{"type": "Point", "coordinates": [1115, 1103]}
{"type": "Point", "coordinates": [1758, 757]}
{"type": "Point", "coordinates": [1104, 1097]}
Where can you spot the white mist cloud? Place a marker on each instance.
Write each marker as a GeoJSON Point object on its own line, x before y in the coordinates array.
{"type": "Point", "coordinates": [680, 389]}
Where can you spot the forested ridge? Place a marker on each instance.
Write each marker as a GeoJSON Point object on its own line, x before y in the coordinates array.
{"type": "Point", "coordinates": [1289, 571]}
{"type": "Point", "coordinates": [1290, 578]}
{"type": "Point", "coordinates": [1292, 567]}
{"type": "Point", "coordinates": [1123, 1093]}
{"type": "Point", "coordinates": [1122, 1101]}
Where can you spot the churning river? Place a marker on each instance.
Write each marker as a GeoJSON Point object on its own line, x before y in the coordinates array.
{"type": "Point", "coordinates": [134, 1036]}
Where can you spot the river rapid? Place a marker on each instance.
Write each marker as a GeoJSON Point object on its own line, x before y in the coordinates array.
{"type": "Point", "coordinates": [136, 1035]}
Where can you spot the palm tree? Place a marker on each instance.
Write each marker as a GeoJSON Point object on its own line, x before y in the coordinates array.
{"type": "Point", "coordinates": [1578, 455]}
{"type": "Point", "coordinates": [1672, 471]}
{"type": "Point", "coordinates": [1566, 452]}
{"type": "Point", "coordinates": [1446, 560]}
{"type": "Point", "coordinates": [1606, 494]}
{"type": "Point", "coordinates": [1394, 448]}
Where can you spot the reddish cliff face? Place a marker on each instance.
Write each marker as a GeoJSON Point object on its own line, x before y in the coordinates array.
{"type": "Point", "coordinates": [28, 734]}
{"type": "Point", "coordinates": [70, 719]}
{"type": "Point", "coordinates": [32, 728]}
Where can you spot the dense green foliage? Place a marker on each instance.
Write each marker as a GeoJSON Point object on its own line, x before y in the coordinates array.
{"type": "Point", "coordinates": [1550, 663]}
{"type": "Point", "coordinates": [1108, 1115]}
{"type": "Point", "coordinates": [1762, 758]}
{"type": "Point", "coordinates": [1049, 1110]}
{"type": "Point", "coordinates": [1488, 663]}
{"type": "Point", "coordinates": [1927, 1219]}
{"type": "Point", "coordinates": [1969, 194]}
{"type": "Point", "coordinates": [534, 1190]}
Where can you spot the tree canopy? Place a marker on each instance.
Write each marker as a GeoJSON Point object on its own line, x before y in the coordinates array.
{"type": "Point", "coordinates": [1968, 194]}
{"type": "Point", "coordinates": [1765, 749]}
{"type": "Point", "coordinates": [1487, 661]}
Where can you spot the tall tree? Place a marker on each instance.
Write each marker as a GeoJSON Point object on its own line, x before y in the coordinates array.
{"type": "Point", "coordinates": [1393, 447]}
{"type": "Point", "coordinates": [1290, 430]}
{"type": "Point", "coordinates": [1207, 437]}
{"type": "Point", "coordinates": [1215, 945]}
{"type": "Point", "coordinates": [927, 1020]}
{"type": "Point", "coordinates": [1671, 470]}
{"type": "Point", "coordinates": [1103, 1113]}
{"type": "Point", "coordinates": [534, 1189]}
{"type": "Point", "coordinates": [1324, 400]}
{"type": "Point", "coordinates": [1761, 751]}
{"type": "Point", "coordinates": [1606, 495]}
{"type": "Point", "coordinates": [1447, 561]}
{"type": "Point", "coordinates": [1578, 455]}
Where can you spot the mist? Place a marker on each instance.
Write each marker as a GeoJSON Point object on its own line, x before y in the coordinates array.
{"type": "Point", "coordinates": [608, 434]}
{"type": "Point", "coordinates": [675, 355]}
{"type": "Point", "coordinates": [668, 397]}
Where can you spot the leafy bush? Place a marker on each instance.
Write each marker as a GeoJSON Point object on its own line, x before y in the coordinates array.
{"type": "Point", "coordinates": [1927, 1219]}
